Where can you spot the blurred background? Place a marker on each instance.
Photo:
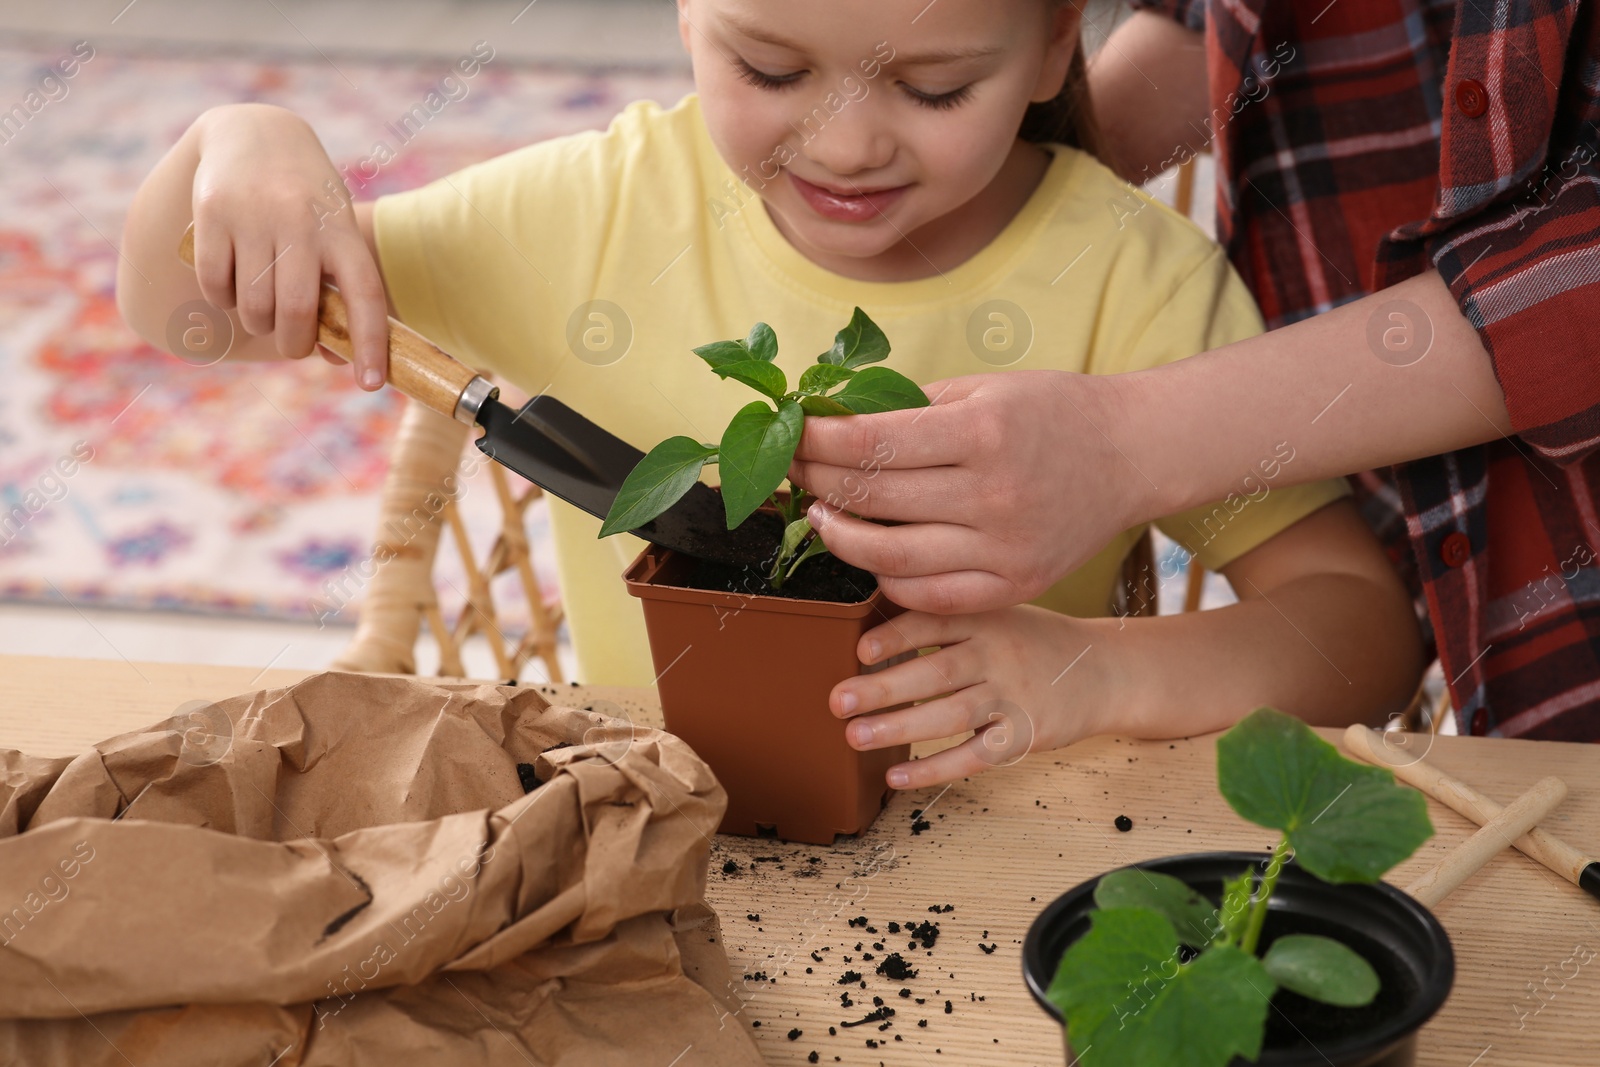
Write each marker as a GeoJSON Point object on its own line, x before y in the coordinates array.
{"type": "Point", "coordinates": [152, 510]}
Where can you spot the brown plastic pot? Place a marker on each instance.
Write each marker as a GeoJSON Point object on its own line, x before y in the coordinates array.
{"type": "Point", "coordinates": [744, 679]}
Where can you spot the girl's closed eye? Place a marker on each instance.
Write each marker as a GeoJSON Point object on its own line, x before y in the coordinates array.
{"type": "Point", "coordinates": [778, 82]}
{"type": "Point", "coordinates": [762, 80]}
{"type": "Point", "coordinates": [938, 101]}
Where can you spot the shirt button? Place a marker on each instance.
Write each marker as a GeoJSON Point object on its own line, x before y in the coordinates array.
{"type": "Point", "coordinates": [1480, 722]}
{"type": "Point", "coordinates": [1471, 98]}
{"type": "Point", "coordinates": [1455, 549]}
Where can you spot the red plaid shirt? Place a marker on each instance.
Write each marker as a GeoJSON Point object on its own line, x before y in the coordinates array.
{"type": "Point", "coordinates": [1358, 142]}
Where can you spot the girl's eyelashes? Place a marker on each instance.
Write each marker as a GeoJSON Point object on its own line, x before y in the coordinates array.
{"type": "Point", "coordinates": [778, 82]}
{"type": "Point", "coordinates": [938, 101]}
{"type": "Point", "coordinates": [762, 80]}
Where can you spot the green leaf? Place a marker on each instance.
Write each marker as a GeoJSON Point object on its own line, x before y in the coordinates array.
{"type": "Point", "coordinates": [1128, 1001]}
{"type": "Point", "coordinates": [762, 342]}
{"type": "Point", "coordinates": [859, 343]}
{"type": "Point", "coordinates": [1191, 914]}
{"type": "Point", "coordinates": [815, 548]}
{"type": "Point", "coordinates": [1123, 946]}
{"type": "Point", "coordinates": [793, 534]}
{"type": "Point", "coordinates": [721, 353]}
{"type": "Point", "coordinates": [821, 405]}
{"type": "Point", "coordinates": [657, 482]}
{"type": "Point", "coordinates": [1322, 969]}
{"type": "Point", "coordinates": [880, 389]}
{"type": "Point", "coordinates": [785, 562]}
{"type": "Point", "coordinates": [1347, 822]}
{"type": "Point", "coordinates": [1235, 910]}
{"type": "Point", "coordinates": [821, 377]}
{"type": "Point", "coordinates": [756, 451]}
{"type": "Point", "coordinates": [763, 377]}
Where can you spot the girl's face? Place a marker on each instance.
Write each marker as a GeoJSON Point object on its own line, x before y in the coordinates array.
{"type": "Point", "coordinates": [874, 130]}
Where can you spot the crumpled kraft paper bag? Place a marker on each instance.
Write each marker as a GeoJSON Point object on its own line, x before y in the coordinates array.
{"type": "Point", "coordinates": [348, 872]}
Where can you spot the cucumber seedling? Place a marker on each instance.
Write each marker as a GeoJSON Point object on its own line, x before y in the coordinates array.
{"type": "Point", "coordinates": [1164, 978]}
{"type": "Point", "coordinates": [759, 443]}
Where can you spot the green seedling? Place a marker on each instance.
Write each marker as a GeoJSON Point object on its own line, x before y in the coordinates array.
{"type": "Point", "coordinates": [1131, 996]}
{"type": "Point", "coordinates": [758, 445]}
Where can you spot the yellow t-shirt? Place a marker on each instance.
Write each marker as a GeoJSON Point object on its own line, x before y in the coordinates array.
{"type": "Point", "coordinates": [506, 264]}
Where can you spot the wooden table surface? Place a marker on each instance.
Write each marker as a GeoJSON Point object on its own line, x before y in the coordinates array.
{"type": "Point", "coordinates": [998, 848]}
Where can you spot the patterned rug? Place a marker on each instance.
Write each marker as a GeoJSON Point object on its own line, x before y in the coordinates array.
{"type": "Point", "coordinates": [131, 479]}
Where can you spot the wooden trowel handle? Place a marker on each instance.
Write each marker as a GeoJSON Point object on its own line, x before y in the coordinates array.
{"type": "Point", "coordinates": [417, 367]}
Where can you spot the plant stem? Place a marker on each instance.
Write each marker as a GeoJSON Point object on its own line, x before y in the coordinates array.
{"type": "Point", "coordinates": [1258, 909]}
{"type": "Point", "coordinates": [791, 512]}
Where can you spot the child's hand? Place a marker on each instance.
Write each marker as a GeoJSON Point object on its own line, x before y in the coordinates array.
{"type": "Point", "coordinates": [1025, 678]}
{"type": "Point", "coordinates": [272, 218]}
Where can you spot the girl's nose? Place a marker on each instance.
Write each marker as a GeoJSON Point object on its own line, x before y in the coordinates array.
{"type": "Point", "coordinates": [847, 142]}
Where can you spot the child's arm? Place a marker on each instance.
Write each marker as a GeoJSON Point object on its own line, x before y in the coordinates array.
{"type": "Point", "coordinates": [272, 219]}
{"type": "Point", "coordinates": [1324, 629]}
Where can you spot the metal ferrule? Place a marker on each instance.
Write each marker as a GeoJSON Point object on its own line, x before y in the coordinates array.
{"type": "Point", "coordinates": [478, 392]}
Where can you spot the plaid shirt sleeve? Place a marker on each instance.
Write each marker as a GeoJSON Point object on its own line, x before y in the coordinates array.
{"type": "Point", "coordinates": [1190, 13]}
{"type": "Point", "coordinates": [1515, 232]}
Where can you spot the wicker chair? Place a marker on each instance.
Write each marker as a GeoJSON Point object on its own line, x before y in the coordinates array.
{"type": "Point", "coordinates": [416, 501]}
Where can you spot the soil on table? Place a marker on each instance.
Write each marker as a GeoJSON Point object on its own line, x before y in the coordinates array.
{"type": "Point", "coordinates": [823, 577]}
{"type": "Point", "coordinates": [1299, 1022]}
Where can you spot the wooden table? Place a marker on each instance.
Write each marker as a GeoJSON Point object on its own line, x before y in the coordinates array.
{"type": "Point", "coordinates": [998, 848]}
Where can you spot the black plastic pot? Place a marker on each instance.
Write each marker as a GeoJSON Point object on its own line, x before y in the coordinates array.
{"type": "Point", "coordinates": [1399, 937]}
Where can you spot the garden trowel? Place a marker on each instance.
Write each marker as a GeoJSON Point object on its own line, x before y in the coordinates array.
{"type": "Point", "coordinates": [545, 441]}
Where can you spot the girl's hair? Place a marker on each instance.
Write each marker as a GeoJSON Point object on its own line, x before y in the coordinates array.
{"type": "Point", "coordinates": [1067, 118]}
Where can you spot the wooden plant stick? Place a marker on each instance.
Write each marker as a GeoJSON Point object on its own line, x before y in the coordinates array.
{"type": "Point", "coordinates": [1463, 861]}
{"type": "Point", "coordinates": [1540, 845]}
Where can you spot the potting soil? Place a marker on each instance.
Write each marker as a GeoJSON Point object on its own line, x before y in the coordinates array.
{"type": "Point", "coordinates": [753, 539]}
{"type": "Point", "coordinates": [885, 977]}
{"type": "Point", "coordinates": [823, 577]}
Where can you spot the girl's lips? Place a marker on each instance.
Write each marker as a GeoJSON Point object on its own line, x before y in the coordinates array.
{"type": "Point", "coordinates": [843, 207]}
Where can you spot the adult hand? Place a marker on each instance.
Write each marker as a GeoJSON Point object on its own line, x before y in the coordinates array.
{"type": "Point", "coordinates": [1007, 482]}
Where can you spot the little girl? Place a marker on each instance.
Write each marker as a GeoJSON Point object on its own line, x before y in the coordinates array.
{"type": "Point", "coordinates": [927, 161]}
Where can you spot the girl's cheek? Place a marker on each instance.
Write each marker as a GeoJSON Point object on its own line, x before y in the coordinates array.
{"type": "Point", "coordinates": [751, 132]}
